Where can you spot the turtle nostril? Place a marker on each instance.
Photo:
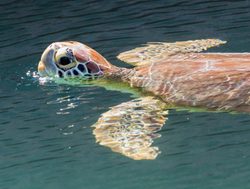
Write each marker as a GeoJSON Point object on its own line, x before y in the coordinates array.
{"type": "Point", "coordinates": [64, 61]}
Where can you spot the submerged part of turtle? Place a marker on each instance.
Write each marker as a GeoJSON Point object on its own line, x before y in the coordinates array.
{"type": "Point", "coordinates": [129, 128]}
{"type": "Point", "coordinates": [177, 73]}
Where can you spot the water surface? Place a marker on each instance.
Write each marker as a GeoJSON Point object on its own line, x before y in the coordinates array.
{"type": "Point", "coordinates": [45, 136]}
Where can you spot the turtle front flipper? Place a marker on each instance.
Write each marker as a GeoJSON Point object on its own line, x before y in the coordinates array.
{"type": "Point", "coordinates": [129, 128]}
{"type": "Point", "coordinates": [157, 51]}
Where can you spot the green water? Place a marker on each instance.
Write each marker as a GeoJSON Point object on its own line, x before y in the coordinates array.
{"type": "Point", "coordinates": [45, 136]}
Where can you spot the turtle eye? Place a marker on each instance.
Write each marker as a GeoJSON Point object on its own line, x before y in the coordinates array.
{"type": "Point", "coordinates": [64, 61]}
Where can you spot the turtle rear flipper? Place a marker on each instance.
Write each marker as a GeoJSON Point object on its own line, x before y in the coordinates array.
{"type": "Point", "coordinates": [129, 128]}
{"type": "Point", "coordinates": [157, 51]}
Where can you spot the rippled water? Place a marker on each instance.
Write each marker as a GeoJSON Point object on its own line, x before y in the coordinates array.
{"type": "Point", "coordinates": [45, 136]}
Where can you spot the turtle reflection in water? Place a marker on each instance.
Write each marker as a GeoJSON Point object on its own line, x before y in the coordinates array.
{"type": "Point", "coordinates": [173, 73]}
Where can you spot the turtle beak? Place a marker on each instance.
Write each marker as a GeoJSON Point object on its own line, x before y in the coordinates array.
{"type": "Point", "coordinates": [41, 68]}
{"type": "Point", "coordinates": [46, 66]}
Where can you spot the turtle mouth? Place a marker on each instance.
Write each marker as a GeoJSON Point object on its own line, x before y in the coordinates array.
{"type": "Point", "coordinates": [86, 70]}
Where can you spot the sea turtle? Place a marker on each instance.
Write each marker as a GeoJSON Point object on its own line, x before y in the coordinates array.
{"type": "Point", "coordinates": [171, 73]}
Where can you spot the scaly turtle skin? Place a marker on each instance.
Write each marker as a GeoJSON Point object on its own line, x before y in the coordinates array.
{"type": "Point", "coordinates": [176, 72]}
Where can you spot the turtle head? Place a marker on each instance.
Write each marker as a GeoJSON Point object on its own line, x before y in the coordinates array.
{"type": "Point", "coordinates": [72, 59]}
